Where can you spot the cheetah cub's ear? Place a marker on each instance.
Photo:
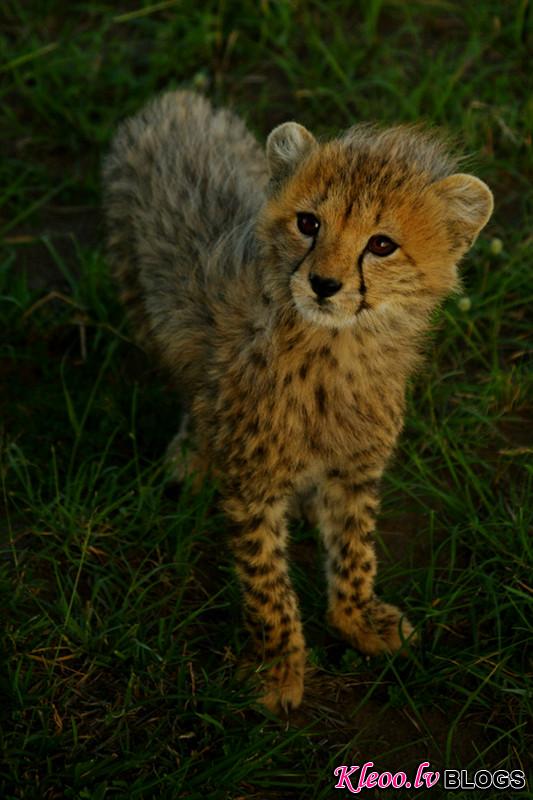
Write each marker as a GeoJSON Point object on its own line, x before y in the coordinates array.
{"type": "Point", "coordinates": [286, 147]}
{"type": "Point", "coordinates": [467, 206]}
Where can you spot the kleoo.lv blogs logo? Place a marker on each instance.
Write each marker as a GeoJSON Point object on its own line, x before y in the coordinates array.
{"type": "Point", "coordinates": [356, 778]}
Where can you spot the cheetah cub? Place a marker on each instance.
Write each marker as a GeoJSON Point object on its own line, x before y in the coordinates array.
{"type": "Point", "coordinates": [287, 291]}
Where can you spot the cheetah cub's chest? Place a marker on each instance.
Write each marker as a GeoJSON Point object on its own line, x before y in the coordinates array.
{"type": "Point", "coordinates": [307, 402]}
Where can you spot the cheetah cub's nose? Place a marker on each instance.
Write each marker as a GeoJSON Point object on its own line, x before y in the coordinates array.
{"type": "Point", "coordinates": [324, 287]}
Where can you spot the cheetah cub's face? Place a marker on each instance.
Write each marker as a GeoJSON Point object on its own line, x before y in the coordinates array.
{"type": "Point", "coordinates": [369, 226]}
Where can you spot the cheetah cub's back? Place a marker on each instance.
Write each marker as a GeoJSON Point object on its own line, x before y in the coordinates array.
{"type": "Point", "coordinates": [179, 180]}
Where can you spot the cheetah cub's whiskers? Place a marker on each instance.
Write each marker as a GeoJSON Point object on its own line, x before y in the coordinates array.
{"type": "Point", "coordinates": [288, 292]}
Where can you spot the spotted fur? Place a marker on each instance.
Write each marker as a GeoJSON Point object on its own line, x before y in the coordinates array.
{"type": "Point", "coordinates": [288, 394]}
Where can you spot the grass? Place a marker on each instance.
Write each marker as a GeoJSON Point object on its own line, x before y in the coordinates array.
{"type": "Point", "coordinates": [121, 622]}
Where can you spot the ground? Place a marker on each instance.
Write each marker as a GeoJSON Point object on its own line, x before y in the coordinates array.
{"type": "Point", "coordinates": [121, 622]}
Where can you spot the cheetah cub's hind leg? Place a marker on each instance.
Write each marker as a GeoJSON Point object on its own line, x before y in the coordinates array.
{"type": "Point", "coordinates": [182, 461]}
{"type": "Point", "coordinates": [347, 521]}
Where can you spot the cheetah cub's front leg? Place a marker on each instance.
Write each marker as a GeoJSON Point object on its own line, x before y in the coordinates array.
{"type": "Point", "coordinates": [346, 510]}
{"type": "Point", "coordinates": [259, 545]}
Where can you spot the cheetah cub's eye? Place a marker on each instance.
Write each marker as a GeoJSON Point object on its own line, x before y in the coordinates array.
{"type": "Point", "coordinates": [308, 224]}
{"type": "Point", "coordinates": [381, 245]}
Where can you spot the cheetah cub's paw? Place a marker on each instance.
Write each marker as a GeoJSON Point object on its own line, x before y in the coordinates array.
{"type": "Point", "coordinates": [181, 459]}
{"type": "Point", "coordinates": [179, 456]}
{"type": "Point", "coordinates": [284, 684]}
{"type": "Point", "coordinates": [379, 628]}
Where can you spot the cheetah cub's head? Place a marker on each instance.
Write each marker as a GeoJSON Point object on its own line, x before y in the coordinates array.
{"type": "Point", "coordinates": [369, 226]}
